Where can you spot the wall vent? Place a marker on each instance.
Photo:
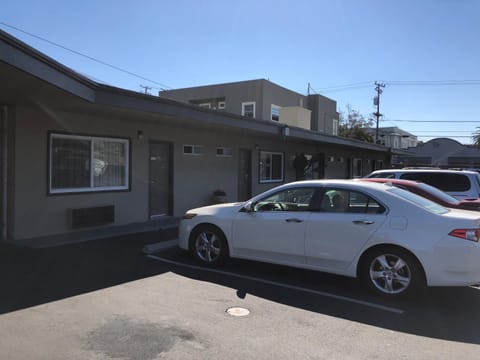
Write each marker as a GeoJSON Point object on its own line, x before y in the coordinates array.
{"type": "Point", "coordinates": [91, 216]}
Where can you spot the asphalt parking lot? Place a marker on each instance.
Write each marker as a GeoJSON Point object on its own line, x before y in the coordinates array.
{"type": "Point", "coordinates": [106, 299]}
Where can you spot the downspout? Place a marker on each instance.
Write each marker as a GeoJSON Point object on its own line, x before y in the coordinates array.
{"type": "Point", "coordinates": [3, 174]}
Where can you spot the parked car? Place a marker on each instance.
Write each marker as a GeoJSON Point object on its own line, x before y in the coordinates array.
{"type": "Point", "coordinates": [430, 192]}
{"type": "Point", "coordinates": [458, 183]}
{"type": "Point", "coordinates": [397, 242]}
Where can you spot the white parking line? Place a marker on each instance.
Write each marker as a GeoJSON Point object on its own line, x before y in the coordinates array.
{"type": "Point", "coordinates": [292, 287]}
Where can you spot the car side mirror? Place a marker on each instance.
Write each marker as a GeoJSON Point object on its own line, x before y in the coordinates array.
{"type": "Point", "coordinates": [249, 207]}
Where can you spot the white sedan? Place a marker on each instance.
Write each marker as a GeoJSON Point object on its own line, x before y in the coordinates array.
{"type": "Point", "coordinates": [395, 241]}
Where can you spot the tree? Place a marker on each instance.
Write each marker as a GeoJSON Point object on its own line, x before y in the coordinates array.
{"type": "Point", "coordinates": [355, 126]}
{"type": "Point", "coordinates": [476, 137]}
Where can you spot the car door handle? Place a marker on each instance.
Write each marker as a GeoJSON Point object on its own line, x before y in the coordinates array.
{"type": "Point", "coordinates": [363, 222]}
{"type": "Point", "coordinates": [294, 220]}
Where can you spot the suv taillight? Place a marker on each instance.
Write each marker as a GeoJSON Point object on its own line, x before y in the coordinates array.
{"type": "Point", "coordinates": [466, 234]}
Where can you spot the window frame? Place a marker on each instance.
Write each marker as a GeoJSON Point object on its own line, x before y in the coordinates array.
{"type": "Point", "coordinates": [276, 107]}
{"type": "Point", "coordinates": [91, 189]}
{"type": "Point", "coordinates": [246, 104]}
{"type": "Point", "coordinates": [200, 150]}
{"type": "Point", "coordinates": [226, 151]}
{"type": "Point", "coordinates": [270, 180]}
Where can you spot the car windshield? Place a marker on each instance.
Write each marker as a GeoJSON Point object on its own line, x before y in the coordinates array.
{"type": "Point", "coordinates": [437, 192]}
{"type": "Point", "coordinates": [420, 201]}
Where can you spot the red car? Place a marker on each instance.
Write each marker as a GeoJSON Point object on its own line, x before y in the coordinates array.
{"type": "Point", "coordinates": [430, 192]}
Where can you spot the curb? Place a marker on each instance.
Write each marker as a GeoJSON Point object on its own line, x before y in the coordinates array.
{"type": "Point", "coordinates": [156, 247]}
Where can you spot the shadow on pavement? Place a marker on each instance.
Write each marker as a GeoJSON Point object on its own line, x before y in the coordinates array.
{"type": "Point", "coordinates": [30, 277]}
{"type": "Point", "coordinates": [442, 313]}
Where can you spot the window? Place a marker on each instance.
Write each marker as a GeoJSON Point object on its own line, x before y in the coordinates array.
{"type": "Point", "coordinates": [248, 109]}
{"type": "Point", "coordinates": [221, 105]}
{"type": "Point", "coordinates": [344, 201]}
{"type": "Point", "coordinates": [224, 151]}
{"type": "Point", "coordinates": [205, 105]}
{"type": "Point", "coordinates": [192, 150]}
{"type": "Point", "coordinates": [443, 181]}
{"type": "Point", "coordinates": [420, 201]}
{"type": "Point", "coordinates": [86, 163]}
{"type": "Point", "coordinates": [298, 199]}
{"type": "Point", "coordinates": [271, 167]}
{"type": "Point", "coordinates": [275, 113]}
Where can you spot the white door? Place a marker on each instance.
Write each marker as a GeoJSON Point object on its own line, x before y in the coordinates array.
{"type": "Point", "coordinates": [336, 234]}
{"type": "Point", "coordinates": [275, 230]}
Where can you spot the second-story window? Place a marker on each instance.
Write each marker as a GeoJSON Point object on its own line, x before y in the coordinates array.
{"type": "Point", "coordinates": [275, 114]}
{"type": "Point", "coordinates": [248, 109]}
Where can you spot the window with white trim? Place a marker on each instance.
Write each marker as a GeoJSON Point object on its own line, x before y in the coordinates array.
{"type": "Point", "coordinates": [192, 150]}
{"type": "Point", "coordinates": [275, 113]}
{"type": "Point", "coordinates": [271, 166]}
{"type": "Point", "coordinates": [87, 163]}
{"type": "Point", "coordinates": [224, 151]}
{"type": "Point", "coordinates": [221, 105]}
{"type": "Point", "coordinates": [248, 109]}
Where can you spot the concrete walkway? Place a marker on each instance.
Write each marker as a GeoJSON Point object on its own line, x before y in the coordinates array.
{"type": "Point", "coordinates": [160, 224]}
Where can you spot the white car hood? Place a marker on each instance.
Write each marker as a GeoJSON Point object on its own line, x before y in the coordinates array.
{"type": "Point", "coordinates": [217, 209]}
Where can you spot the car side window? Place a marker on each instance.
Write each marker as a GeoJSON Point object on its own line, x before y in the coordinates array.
{"type": "Point", "coordinates": [383, 175]}
{"type": "Point", "coordinates": [442, 181]}
{"type": "Point", "coordinates": [296, 199]}
{"type": "Point", "coordinates": [343, 201]}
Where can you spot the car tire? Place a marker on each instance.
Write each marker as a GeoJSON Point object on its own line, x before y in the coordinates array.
{"type": "Point", "coordinates": [209, 246]}
{"type": "Point", "coordinates": [392, 272]}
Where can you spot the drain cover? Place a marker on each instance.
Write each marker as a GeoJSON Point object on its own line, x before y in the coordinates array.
{"type": "Point", "coordinates": [237, 311]}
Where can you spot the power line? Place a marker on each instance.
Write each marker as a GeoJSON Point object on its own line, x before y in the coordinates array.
{"type": "Point", "coordinates": [433, 82]}
{"type": "Point", "coordinates": [86, 56]}
{"type": "Point", "coordinates": [444, 131]}
{"type": "Point", "coordinates": [366, 84]}
{"type": "Point", "coordinates": [456, 136]}
{"type": "Point", "coordinates": [434, 121]}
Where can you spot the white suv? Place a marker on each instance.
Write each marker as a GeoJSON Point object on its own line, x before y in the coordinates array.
{"type": "Point", "coordinates": [458, 183]}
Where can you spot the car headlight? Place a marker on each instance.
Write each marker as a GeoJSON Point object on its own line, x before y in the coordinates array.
{"type": "Point", "coordinates": [189, 216]}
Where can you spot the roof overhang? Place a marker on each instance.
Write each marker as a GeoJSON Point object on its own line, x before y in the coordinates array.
{"type": "Point", "coordinates": [27, 76]}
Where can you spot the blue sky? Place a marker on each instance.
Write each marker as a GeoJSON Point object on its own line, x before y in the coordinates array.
{"type": "Point", "coordinates": [182, 43]}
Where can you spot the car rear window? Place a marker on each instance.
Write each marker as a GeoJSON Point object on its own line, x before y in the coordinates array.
{"type": "Point", "coordinates": [420, 201]}
{"type": "Point", "coordinates": [443, 181]}
{"type": "Point", "coordinates": [382, 175]}
{"type": "Point", "coordinates": [437, 192]}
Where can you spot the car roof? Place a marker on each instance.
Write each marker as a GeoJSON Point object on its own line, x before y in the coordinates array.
{"type": "Point", "coordinates": [424, 170]}
{"type": "Point", "coordinates": [351, 183]}
{"type": "Point", "coordinates": [392, 181]}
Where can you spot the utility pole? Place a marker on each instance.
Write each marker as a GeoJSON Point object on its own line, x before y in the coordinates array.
{"type": "Point", "coordinates": [146, 88]}
{"type": "Point", "coordinates": [376, 101]}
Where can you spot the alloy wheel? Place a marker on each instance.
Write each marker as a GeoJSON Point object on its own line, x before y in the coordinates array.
{"type": "Point", "coordinates": [208, 246]}
{"type": "Point", "coordinates": [390, 274]}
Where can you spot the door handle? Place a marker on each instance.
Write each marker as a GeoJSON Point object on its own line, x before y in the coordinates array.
{"type": "Point", "coordinates": [294, 220]}
{"type": "Point", "coordinates": [363, 222]}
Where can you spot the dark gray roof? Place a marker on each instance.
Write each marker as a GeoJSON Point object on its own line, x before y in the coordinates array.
{"type": "Point", "coordinates": [21, 56]}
